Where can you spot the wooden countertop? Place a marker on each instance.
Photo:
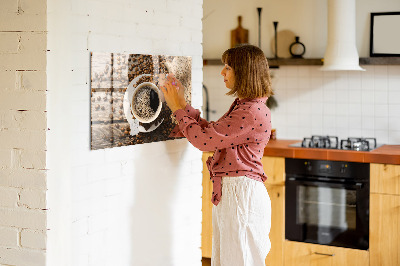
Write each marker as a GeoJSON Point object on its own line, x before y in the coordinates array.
{"type": "Point", "coordinates": [389, 154]}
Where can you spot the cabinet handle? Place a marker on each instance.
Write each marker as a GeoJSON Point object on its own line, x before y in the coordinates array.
{"type": "Point", "coordinates": [324, 254]}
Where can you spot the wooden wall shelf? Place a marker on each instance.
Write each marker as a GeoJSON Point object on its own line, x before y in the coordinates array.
{"type": "Point", "coordinates": [274, 63]}
{"type": "Point", "coordinates": [380, 61]}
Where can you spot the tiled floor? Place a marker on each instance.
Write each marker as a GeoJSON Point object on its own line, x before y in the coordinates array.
{"type": "Point", "coordinates": [206, 261]}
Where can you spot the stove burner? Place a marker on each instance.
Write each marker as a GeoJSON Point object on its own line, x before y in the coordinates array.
{"type": "Point", "coordinates": [358, 144]}
{"type": "Point", "coordinates": [332, 142]}
{"type": "Point", "coordinates": [328, 142]}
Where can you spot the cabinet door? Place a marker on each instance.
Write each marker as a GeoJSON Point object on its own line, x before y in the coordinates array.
{"type": "Point", "coordinates": [206, 226]}
{"type": "Point", "coordinates": [277, 233]}
{"type": "Point", "coordinates": [304, 254]}
{"type": "Point", "coordinates": [384, 230]}
{"type": "Point", "coordinates": [274, 168]}
{"type": "Point", "coordinates": [385, 178]}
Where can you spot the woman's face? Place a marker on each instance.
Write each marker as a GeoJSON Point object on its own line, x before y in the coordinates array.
{"type": "Point", "coordinates": [229, 76]}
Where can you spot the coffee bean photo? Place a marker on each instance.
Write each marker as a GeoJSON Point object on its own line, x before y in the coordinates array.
{"type": "Point", "coordinates": [127, 107]}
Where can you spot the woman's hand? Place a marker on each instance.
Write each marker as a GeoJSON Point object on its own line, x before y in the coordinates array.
{"type": "Point", "coordinates": [174, 92]}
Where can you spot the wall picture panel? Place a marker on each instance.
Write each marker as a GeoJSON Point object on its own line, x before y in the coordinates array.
{"type": "Point", "coordinates": [127, 107]}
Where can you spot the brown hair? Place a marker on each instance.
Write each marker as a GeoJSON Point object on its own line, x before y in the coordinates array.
{"type": "Point", "coordinates": [250, 66]}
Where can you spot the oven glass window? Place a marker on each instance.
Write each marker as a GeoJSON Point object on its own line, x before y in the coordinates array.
{"type": "Point", "coordinates": [326, 207]}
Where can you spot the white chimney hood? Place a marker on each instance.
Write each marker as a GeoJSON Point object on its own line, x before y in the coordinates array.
{"type": "Point", "coordinates": [341, 51]}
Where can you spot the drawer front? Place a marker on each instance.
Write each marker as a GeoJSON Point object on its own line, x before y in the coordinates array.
{"type": "Point", "coordinates": [297, 253]}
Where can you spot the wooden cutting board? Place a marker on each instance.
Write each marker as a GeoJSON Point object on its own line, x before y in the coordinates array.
{"type": "Point", "coordinates": [239, 35]}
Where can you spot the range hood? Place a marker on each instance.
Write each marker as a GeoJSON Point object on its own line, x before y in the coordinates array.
{"type": "Point", "coordinates": [341, 51]}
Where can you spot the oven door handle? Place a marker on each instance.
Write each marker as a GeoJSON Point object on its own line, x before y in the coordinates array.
{"type": "Point", "coordinates": [357, 185]}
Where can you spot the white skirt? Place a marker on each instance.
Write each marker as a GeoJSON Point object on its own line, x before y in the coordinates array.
{"type": "Point", "coordinates": [241, 223]}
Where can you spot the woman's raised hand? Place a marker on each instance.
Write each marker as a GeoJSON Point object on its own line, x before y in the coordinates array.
{"type": "Point", "coordinates": [174, 92]}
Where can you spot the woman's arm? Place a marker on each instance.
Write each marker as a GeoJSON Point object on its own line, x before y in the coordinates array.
{"type": "Point", "coordinates": [236, 129]}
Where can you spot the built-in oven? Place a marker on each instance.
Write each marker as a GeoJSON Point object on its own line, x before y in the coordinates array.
{"type": "Point", "coordinates": [327, 202]}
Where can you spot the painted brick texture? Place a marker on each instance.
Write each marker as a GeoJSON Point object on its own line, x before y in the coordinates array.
{"type": "Point", "coordinates": [23, 132]}
{"type": "Point", "coordinates": [133, 205]}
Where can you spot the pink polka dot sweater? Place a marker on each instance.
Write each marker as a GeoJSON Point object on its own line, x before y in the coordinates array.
{"type": "Point", "coordinates": [238, 139]}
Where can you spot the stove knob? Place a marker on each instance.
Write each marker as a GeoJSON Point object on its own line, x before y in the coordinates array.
{"type": "Point", "coordinates": [308, 166]}
{"type": "Point", "coordinates": [343, 168]}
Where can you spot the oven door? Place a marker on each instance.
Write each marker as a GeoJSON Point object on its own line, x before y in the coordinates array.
{"type": "Point", "coordinates": [327, 213]}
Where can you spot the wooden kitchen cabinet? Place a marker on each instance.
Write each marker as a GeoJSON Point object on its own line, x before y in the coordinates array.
{"type": "Point", "coordinates": [385, 215]}
{"type": "Point", "coordinates": [305, 254]}
{"type": "Point", "coordinates": [274, 168]}
{"type": "Point", "coordinates": [206, 225]}
{"type": "Point", "coordinates": [385, 178]}
{"type": "Point", "coordinates": [277, 233]}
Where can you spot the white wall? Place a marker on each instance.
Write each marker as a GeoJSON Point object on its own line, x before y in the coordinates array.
{"type": "Point", "coordinates": [311, 102]}
{"type": "Point", "coordinates": [23, 133]}
{"type": "Point", "coordinates": [306, 19]}
{"type": "Point", "coordinates": [133, 205]}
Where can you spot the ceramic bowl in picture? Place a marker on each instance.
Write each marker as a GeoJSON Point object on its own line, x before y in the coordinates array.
{"type": "Point", "coordinates": [146, 102]}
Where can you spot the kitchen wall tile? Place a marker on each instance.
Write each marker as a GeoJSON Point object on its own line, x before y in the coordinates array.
{"type": "Point", "coordinates": [367, 96]}
{"type": "Point", "coordinates": [304, 82]}
{"type": "Point", "coordinates": [315, 72]}
{"type": "Point", "coordinates": [366, 99]}
{"type": "Point", "coordinates": [367, 81]}
{"type": "Point", "coordinates": [317, 94]}
{"type": "Point", "coordinates": [293, 120]}
{"type": "Point", "coordinates": [342, 109]}
{"type": "Point", "coordinates": [381, 123]}
{"type": "Point", "coordinates": [329, 122]}
{"type": "Point", "coordinates": [393, 71]}
{"type": "Point", "coordinates": [394, 110]}
{"type": "Point", "coordinates": [355, 132]}
{"type": "Point", "coordinates": [355, 109]}
{"type": "Point", "coordinates": [291, 71]}
{"type": "Point", "coordinates": [304, 108]}
{"type": "Point", "coordinates": [304, 72]}
{"type": "Point", "coordinates": [367, 133]}
{"type": "Point", "coordinates": [329, 109]}
{"type": "Point", "coordinates": [381, 84]}
{"type": "Point", "coordinates": [317, 120]}
{"type": "Point", "coordinates": [367, 110]}
{"type": "Point", "coordinates": [317, 131]}
{"type": "Point", "coordinates": [354, 122]}
{"type": "Point", "coordinates": [381, 110]}
{"type": "Point", "coordinates": [394, 123]}
{"type": "Point", "coordinates": [316, 82]}
{"type": "Point", "coordinates": [381, 97]}
{"type": "Point", "coordinates": [355, 96]}
{"type": "Point", "coordinates": [342, 133]}
{"type": "Point", "coordinates": [342, 96]}
{"type": "Point", "coordinates": [368, 123]}
{"type": "Point", "coordinates": [317, 108]}
{"type": "Point", "coordinates": [342, 80]}
{"type": "Point", "coordinates": [342, 122]}
{"type": "Point", "coordinates": [292, 82]}
{"type": "Point", "coordinates": [394, 82]}
{"type": "Point", "coordinates": [394, 97]}
{"type": "Point", "coordinates": [394, 137]}
{"type": "Point", "coordinates": [354, 80]}
{"type": "Point", "coordinates": [329, 93]}
{"type": "Point", "coordinates": [305, 95]}
{"type": "Point", "coordinates": [328, 74]}
{"type": "Point", "coordinates": [381, 136]}
{"type": "Point", "coordinates": [278, 83]}
{"type": "Point", "coordinates": [380, 71]}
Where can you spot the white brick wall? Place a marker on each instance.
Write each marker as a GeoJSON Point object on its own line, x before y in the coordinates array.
{"type": "Point", "coordinates": [22, 132]}
{"type": "Point", "coordinates": [133, 205]}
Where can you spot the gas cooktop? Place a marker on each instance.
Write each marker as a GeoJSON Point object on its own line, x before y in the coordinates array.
{"type": "Point", "coordinates": [332, 142]}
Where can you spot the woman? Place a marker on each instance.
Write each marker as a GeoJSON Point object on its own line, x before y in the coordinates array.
{"type": "Point", "coordinates": [242, 208]}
